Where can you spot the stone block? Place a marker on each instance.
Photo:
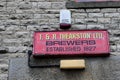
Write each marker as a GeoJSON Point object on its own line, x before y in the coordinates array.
{"type": "Point", "coordinates": [28, 22]}
{"type": "Point", "coordinates": [3, 68]}
{"type": "Point", "coordinates": [118, 48]}
{"type": "Point", "coordinates": [105, 10]}
{"type": "Point", "coordinates": [24, 5]}
{"type": "Point", "coordinates": [3, 76]}
{"type": "Point", "coordinates": [95, 26]}
{"type": "Point", "coordinates": [91, 20]}
{"type": "Point", "coordinates": [111, 26]}
{"type": "Point", "coordinates": [33, 27]}
{"type": "Point", "coordinates": [95, 15]}
{"type": "Point", "coordinates": [22, 34]}
{"type": "Point", "coordinates": [43, 21]}
{"type": "Point", "coordinates": [44, 5]}
{"type": "Point", "coordinates": [112, 15]}
{"type": "Point", "coordinates": [113, 48]}
{"type": "Point", "coordinates": [52, 11]}
{"type": "Point", "coordinates": [17, 49]}
{"type": "Point", "coordinates": [77, 10]}
{"type": "Point", "coordinates": [2, 28]}
{"type": "Point", "coordinates": [93, 10]}
{"type": "Point", "coordinates": [79, 15]}
{"type": "Point", "coordinates": [79, 21]}
{"type": "Point", "coordinates": [12, 28]}
{"type": "Point", "coordinates": [11, 41]}
{"type": "Point", "coordinates": [78, 27]}
{"type": "Point", "coordinates": [104, 20]}
{"type": "Point", "coordinates": [12, 22]}
{"type": "Point", "coordinates": [115, 20]}
{"type": "Point", "coordinates": [58, 5]}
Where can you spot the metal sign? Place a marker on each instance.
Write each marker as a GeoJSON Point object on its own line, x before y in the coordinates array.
{"type": "Point", "coordinates": [94, 0]}
{"type": "Point", "coordinates": [85, 42]}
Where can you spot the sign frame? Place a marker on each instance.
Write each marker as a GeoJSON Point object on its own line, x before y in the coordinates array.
{"type": "Point", "coordinates": [49, 44]}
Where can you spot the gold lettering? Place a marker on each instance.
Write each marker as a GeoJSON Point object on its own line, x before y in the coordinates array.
{"type": "Point", "coordinates": [47, 36]}
{"type": "Point", "coordinates": [98, 35]}
{"type": "Point", "coordinates": [86, 35]}
{"type": "Point", "coordinates": [40, 36]}
{"type": "Point", "coordinates": [54, 36]}
{"type": "Point", "coordinates": [62, 36]}
{"type": "Point", "coordinates": [75, 35]}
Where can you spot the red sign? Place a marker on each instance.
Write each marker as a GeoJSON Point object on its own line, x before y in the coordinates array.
{"type": "Point", "coordinates": [94, 0]}
{"type": "Point", "coordinates": [89, 42]}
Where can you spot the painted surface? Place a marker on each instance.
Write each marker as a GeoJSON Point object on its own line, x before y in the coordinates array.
{"type": "Point", "coordinates": [71, 43]}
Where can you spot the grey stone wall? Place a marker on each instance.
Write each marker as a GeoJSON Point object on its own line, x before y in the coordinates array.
{"type": "Point", "coordinates": [20, 18]}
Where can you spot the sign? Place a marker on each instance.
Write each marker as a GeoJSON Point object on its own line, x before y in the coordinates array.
{"type": "Point", "coordinates": [85, 42]}
{"type": "Point", "coordinates": [94, 0]}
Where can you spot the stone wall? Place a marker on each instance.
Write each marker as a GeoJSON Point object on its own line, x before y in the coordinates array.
{"type": "Point", "coordinates": [20, 18]}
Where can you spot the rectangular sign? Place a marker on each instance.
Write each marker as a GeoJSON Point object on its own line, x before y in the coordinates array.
{"type": "Point", "coordinates": [94, 0]}
{"type": "Point", "coordinates": [85, 42]}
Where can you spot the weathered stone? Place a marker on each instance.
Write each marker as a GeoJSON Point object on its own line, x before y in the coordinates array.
{"type": "Point", "coordinates": [95, 15]}
{"type": "Point", "coordinates": [78, 27]}
{"type": "Point", "coordinates": [2, 4]}
{"type": "Point", "coordinates": [43, 21]}
{"type": "Point", "coordinates": [111, 26]}
{"type": "Point", "coordinates": [118, 48]}
{"type": "Point", "coordinates": [109, 10]}
{"type": "Point", "coordinates": [11, 41]}
{"type": "Point", "coordinates": [2, 28]}
{"type": "Point", "coordinates": [25, 5]}
{"type": "Point", "coordinates": [44, 5]}
{"type": "Point", "coordinates": [93, 10]}
{"type": "Point", "coordinates": [78, 10]}
{"type": "Point", "coordinates": [116, 20]}
{"type": "Point", "coordinates": [17, 49]}
{"type": "Point", "coordinates": [12, 22]}
{"type": "Point", "coordinates": [79, 21]}
{"type": "Point", "coordinates": [27, 42]}
{"type": "Point", "coordinates": [95, 26]}
{"type": "Point", "coordinates": [45, 16]}
{"type": "Point", "coordinates": [91, 20]}
{"type": "Point", "coordinates": [21, 16]}
{"type": "Point", "coordinates": [3, 68]}
{"type": "Point", "coordinates": [33, 27]}
{"type": "Point", "coordinates": [113, 48]}
{"type": "Point", "coordinates": [28, 22]}
{"type": "Point", "coordinates": [22, 34]}
{"type": "Point", "coordinates": [12, 27]}
{"type": "Point", "coordinates": [79, 15]}
{"type": "Point", "coordinates": [112, 15]}
{"type": "Point", "coordinates": [116, 33]}
{"type": "Point", "coordinates": [104, 20]}
{"type": "Point", "coordinates": [4, 16]}
{"type": "Point", "coordinates": [4, 76]}
{"type": "Point", "coordinates": [54, 21]}
{"type": "Point", "coordinates": [52, 11]}
{"type": "Point", "coordinates": [4, 59]}
{"type": "Point", "coordinates": [11, 4]}
{"type": "Point", "coordinates": [58, 5]}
